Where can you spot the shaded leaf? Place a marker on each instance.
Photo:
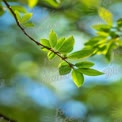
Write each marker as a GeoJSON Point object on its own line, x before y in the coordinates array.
{"type": "Point", "coordinates": [64, 68]}
{"type": "Point", "coordinates": [1, 10]}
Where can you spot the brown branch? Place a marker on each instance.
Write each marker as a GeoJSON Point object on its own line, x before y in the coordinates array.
{"type": "Point", "coordinates": [31, 38]}
{"type": "Point", "coordinates": [6, 118]}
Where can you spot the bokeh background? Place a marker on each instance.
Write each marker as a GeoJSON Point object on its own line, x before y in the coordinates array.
{"type": "Point", "coordinates": [31, 90]}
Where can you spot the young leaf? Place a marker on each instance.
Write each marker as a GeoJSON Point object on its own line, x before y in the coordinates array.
{"type": "Point", "coordinates": [28, 24]}
{"type": "Point", "coordinates": [77, 77]}
{"type": "Point", "coordinates": [64, 68]}
{"type": "Point", "coordinates": [53, 38]}
{"type": "Point", "coordinates": [59, 43]}
{"type": "Point", "coordinates": [32, 3]}
{"type": "Point", "coordinates": [105, 15]}
{"type": "Point", "coordinates": [51, 55]}
{"type": "Point", "coordinates": [67, 45]}
{"type": "Point", "coordinates": [81, 54]}
{"type": "Point", "coordinates": [84, 64]}
{"type": "Point", "coordinates": [102, 27]}
{"type": "Point", "coordinates": [45, 42]}
{"type": "Point", "coordinates": [18, 15]}
{"type": "Point", "coordinates": [109, 51]}
{"type": "Point", "coordinates": [90, 72]}
{"type": "Point", "coordinates": [95, 40]}
{"type": "Point", "coordinates": [19, 8]}
{"type": "Point", "coordinates": [26, 17]}
{"type": "Point", "coordinates": [53, 3]}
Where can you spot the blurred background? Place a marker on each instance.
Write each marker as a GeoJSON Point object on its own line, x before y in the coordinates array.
{"type": "Point", "coordinates": [31, 88]}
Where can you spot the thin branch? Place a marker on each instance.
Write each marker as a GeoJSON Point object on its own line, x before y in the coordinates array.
{"type": "Point", "coordinates": [3, 117]}
{"type": "Point", "coordinates": [31, 38]}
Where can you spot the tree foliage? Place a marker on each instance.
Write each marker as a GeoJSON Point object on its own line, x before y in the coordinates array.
{"type": "Point", "coordinates": [106, 40]}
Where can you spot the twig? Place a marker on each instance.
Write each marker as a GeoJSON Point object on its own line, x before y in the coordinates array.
{"type": "Point", "coordinates": [31, 38]}
{"type": "Point", "coordinates": [6, 118]}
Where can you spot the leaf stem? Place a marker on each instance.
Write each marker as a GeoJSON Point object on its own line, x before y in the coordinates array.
{"type": "Point", "coordinates": [31, 38]}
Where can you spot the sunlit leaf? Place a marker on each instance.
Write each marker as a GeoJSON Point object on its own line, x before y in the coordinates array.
{"type": "Point", "coordinates": [19, 8]}
{"type": "Point", "coordinates": [102, 27]}
{"type": "Point", "coordinates": [67, 45]}
{"type": "Point", "coordinates": [94, 3]}
{"type": "Point", "coordinates": [53, 3]}
{"type": "Point", "coordinates": [18, 15]}
{"type": "Point", "coordinates": [45, 42]}
{"type": "Point", "coordinates": [106, 15]}
{"type": "Point", "coordinates": [81, 54]}
{"type": "Point", "coordinates": [53, 38]}
{"type": "Point", "coordinates": [59, 43]}
{"type": "Point", "coordinates": [84, 64]}
{"type": "Point", "coordinates": [32, 3]}
{"type": "Point", "coordinates": [28, 24]}
{"type": "Point", "coordinates": [119, 22]}
{"type": "Point", "coordinates": [26, 17]}
{"type": "Point", "coordinates": [109, 51]}
{"type": "Point", "coordinates": [90, 72]}
{"type": "Point", "coordinates": [77, 77]}
{"type": "Point", "coordinates": [50, 55]}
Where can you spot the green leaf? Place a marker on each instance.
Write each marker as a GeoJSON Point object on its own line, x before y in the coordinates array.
{"type": "Point", "coordinates": [77, 77]}
{"type": "Point", "coordinates": [50, 55]}
{"type": "Point", "coordinates": [1, 10]}
{"type": "Point", "coordinates": [19, 8]}
{"type": "Point", "coordinates": [53, 38]}
{"type": "Point", "coordinates": [64, 68]}
{"type": "Point", "coordinates": [119, 22]}
{"type": "Point", "coordinates": [105, 15]}
{"type": "Point", "coordinates": [67, 45]}
{"type": "Point", "coordinates": [109, 51]}
{"type": "Point", "coordinates": [102, 27]}
{"type": "Point", "coordinates": [26, 17]}
{"type": "Point", "coordinates": [53, 3]}
{"type": "Point", "coordinates": [28, 24]}
{"type": "Point", "coordinates": [81, 54]}
{"type": "Point", "coordinates": [90, 72]}
{"type": "Point", "coordinates": [95, 40]}
{"type": "Point", "coordinates": [45, 42]}
{"type": "Point", "coordinates": [113, 34]}
{"type": "Point", "coordinates": [32, 3]}
{"type": "Point", "coordinates": [90, 4]}
{"type": "Point", "coordinates": [18, 15]}
{"type": "Point", "coordinates": [84, 64]}
{"type": "Point", "coordinates": [59, 43]}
